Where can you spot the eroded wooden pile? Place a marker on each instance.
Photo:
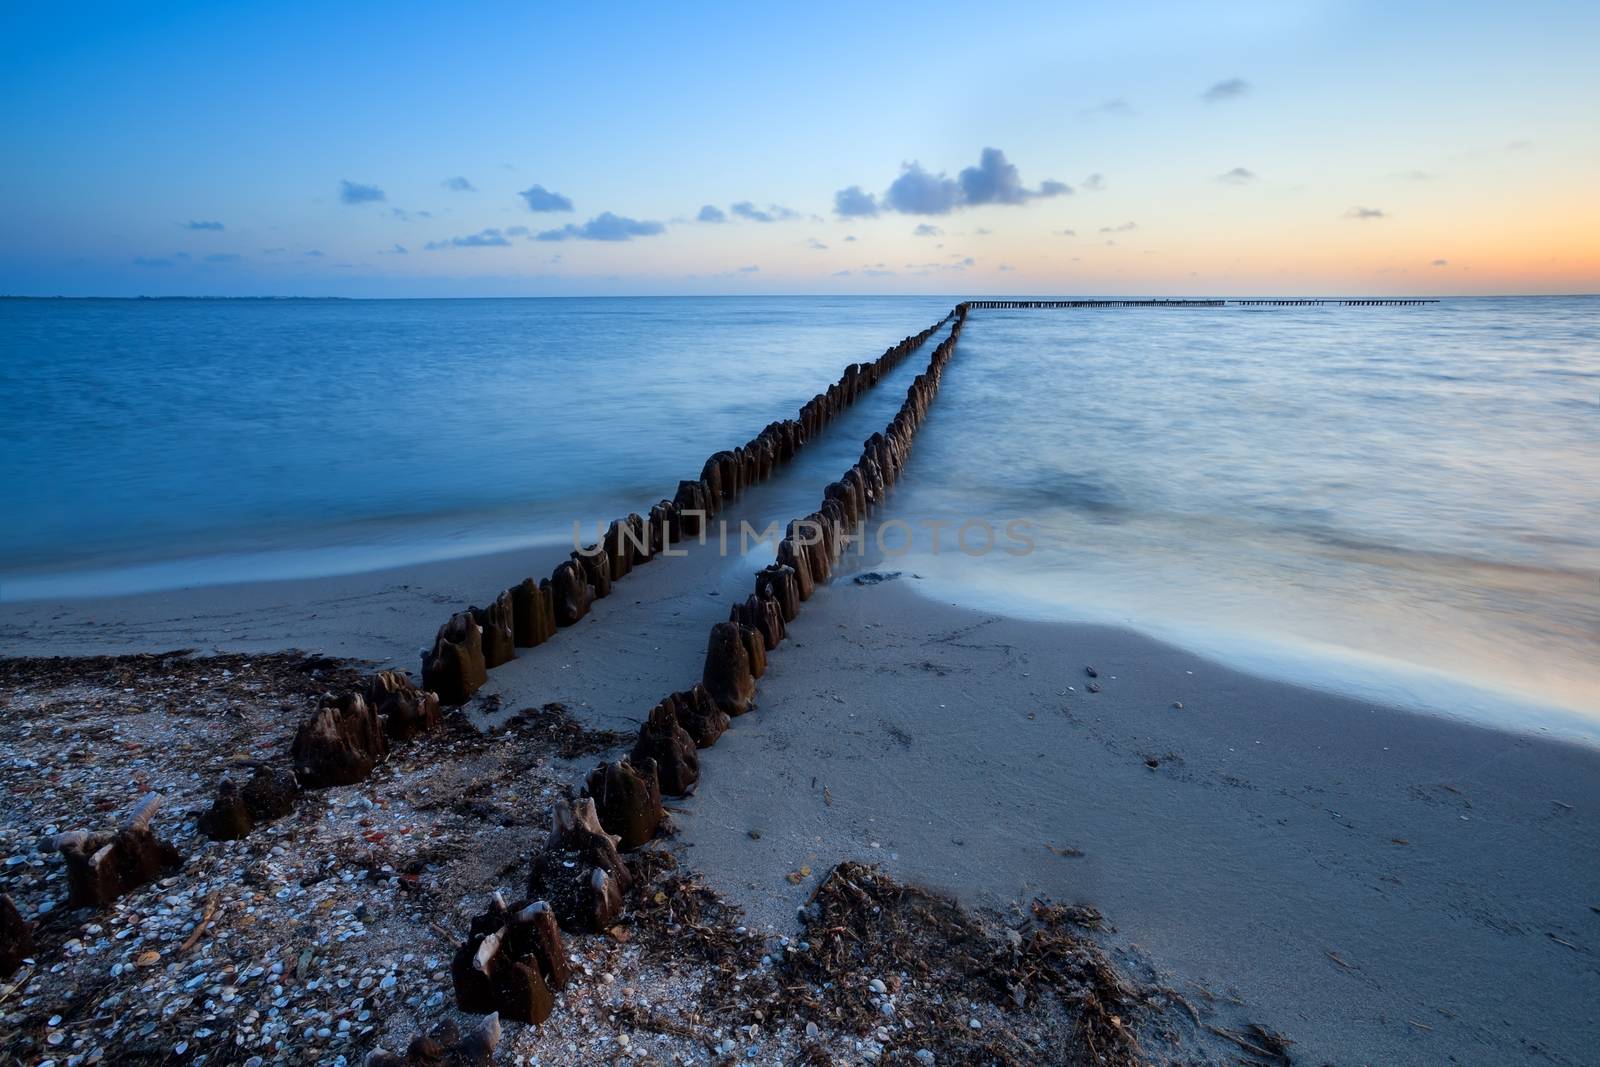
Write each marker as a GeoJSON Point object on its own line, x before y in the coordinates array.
{"type": "Point", "coordinates": [475, 641]}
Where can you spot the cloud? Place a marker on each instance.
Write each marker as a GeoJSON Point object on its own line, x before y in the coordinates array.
{"type": "Point", "coordinates": [773, 213]}
{"type": "Point", "coordinates": [1006, 266]}
{"type": "Point", "coordinates": [816, 245]}
{"type": "Point", "coordinates": [406, 216]}
{"type": "Point", "coordinates": [994, 180]}
{"type": "Point", "coordinates": [711, 213]}
{"type": "Point", "coordinates": [853, 203]}
{"type": "Point", "coordinates": [841, 274]}
{"type": "Point", "coordinates": [1366, 213]}
{"type": "Point", "coordinates": [850, 237]}
{"type": "Point", "coordinates": [355, 193]}
{"type": "Point", "coordinates": [1094, 183]}
{"type": "Point", "coordinates": [223, 257]}
{"type": "Point", "coordinates": [1124, 228]}
{"type": "Point", "coordinates": [194, 224]}
{"type": "Point", "coordinates": [152, 261]}
{"type": "Point", "coordinates": [397, 250]}
{"type": "Point", "coordinates": [1116, 107]}
{"type": "Point", "coordinates": [459, 184]}
{"type": "Point", "coordinates": [752, 269]}
{"type": "Point", "coordinates": [1067, 233]}
{"type": "Point", "coordinates": [1440, 263]}
{"type": "Point", "coordinates": [927, 229]}
{"type": "Point", "coordinates": [314, 253]}
{"type": "Point", "coordinates": [875, 273]}
{"type": "Point", "coordinates": [490, 238]}
{"type": "Point", "coordinates": [516, 231]}
{"type": "Point", "coordinates": [917, 191]}
{"type": "Point", "coordinates": [541, 199]}
{"type": "Point", "coordinates": [1229, 89]}
{"type": "Point", "coordinates": [1237, 176]}
{"type": "Point", "coordinates": [604, 227]}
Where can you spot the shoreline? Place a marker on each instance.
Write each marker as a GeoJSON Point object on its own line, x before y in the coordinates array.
{"type": "Point", "coordinates": [316, 613]}
{"type": "Point", "coordinates": [1263, 840]}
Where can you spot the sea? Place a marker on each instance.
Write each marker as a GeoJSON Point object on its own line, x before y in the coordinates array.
{"type": "Point", "coordinates": [1398, 502]}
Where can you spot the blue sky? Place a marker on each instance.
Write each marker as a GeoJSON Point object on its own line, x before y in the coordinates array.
{"type": "Point", "coordinates": [260, 149]}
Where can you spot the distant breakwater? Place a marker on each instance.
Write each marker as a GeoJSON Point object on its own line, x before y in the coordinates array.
{"type": "Point", "coordinates": [1406, 301]}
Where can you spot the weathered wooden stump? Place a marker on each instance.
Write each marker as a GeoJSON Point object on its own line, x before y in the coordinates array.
{"type": "Point", "coordinates": [16, 938]}
{"type": "Point", "coordinates": [572, 592]}
{"type": "Point", "coordinates": [455, 667]}
{"type": "Point", "coordinates": [697, 714]}
{"type": "Point", "coordinates": [618, 548]}
{"type": "Point", "coordinates": [596, 564]}
{"type": "Point", "coordinates": [339, 744]}
{"type": "Point", "coordinates": [627, 799]}
{"type": "Point", "coordinates": [755, 649]}
{"type": "Point", "coordinates": [444, 1046]}
{"type": "Point", "coordinates": [671, 748]}
{"type": "Point", "coordinates": [793, 555]}
{"type": "Point", "coordinates": [728, 677]}
{"type": "Point", "coordinates": [777, 582]}
{"type": "Point", "coordinates": [271, 793]}
{"type": "Point", "coordinates": [496, 622]}
{"type": "Point", "coordinates": [579, 870]}
{"type": "Point", "coordinates": [404, 710]}
{"type": "Point", "coordinates": [512, 962]}
{"type": "Point", "coordinates": [103, 866]}
{"type": "Point", "coordinates": [534, 613]}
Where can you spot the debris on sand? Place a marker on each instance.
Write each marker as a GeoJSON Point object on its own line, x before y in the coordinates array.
{"type": "Point", "coordinates": [333, 930]}
{"type": "Point", "coordinates": [874, 577]}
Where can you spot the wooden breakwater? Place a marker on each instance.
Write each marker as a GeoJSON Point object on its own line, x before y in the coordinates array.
{"type": "Point", "coordinates": [1008, 304]}
{"type": "Point", "coordinates": [1375, 301]}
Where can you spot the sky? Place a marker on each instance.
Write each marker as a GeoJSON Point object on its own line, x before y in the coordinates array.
{"type": "Point", "coordinates": [409, 150]}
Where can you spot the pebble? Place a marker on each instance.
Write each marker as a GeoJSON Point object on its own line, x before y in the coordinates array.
{"type": "Point", "coordinates": [877, 986]}
{"type": "Point", "coordinates": [924, 1056]}
{"type": "Point", "coordinates": [975, 1024]}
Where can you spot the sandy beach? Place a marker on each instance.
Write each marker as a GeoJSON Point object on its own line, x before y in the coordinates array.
{"type": "Point", "coordinates": [1378, 885]}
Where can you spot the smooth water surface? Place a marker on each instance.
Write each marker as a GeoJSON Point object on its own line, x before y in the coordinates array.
{"type": "Point", "coordinates": [1342, 495]}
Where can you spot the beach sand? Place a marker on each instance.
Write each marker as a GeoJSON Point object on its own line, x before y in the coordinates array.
{"type": "Point", "coordinates": [1379, 885]}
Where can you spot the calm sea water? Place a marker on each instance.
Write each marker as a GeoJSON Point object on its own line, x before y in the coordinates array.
{"type": "Point", "coordinates": [1400, 501]}
{"type": "Point", "coordinates": [1400, 498]}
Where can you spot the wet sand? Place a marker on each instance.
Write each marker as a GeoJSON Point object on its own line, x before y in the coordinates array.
{"type": "Point", "coordinates": [1381, 886]}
